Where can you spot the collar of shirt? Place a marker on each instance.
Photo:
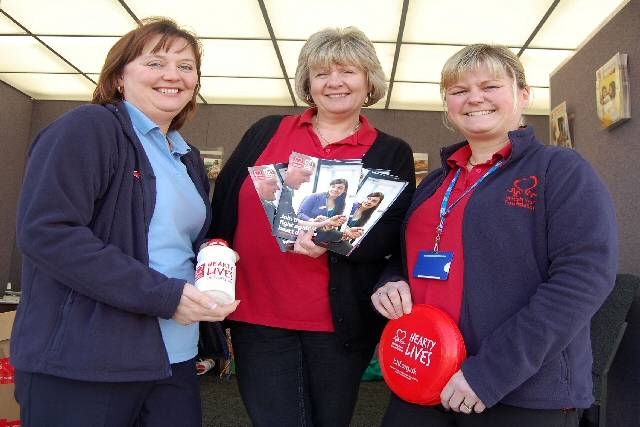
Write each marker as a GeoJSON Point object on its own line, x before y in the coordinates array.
{"type": "Point", "coordinates": [144, 125]}
{"type": "Point", "coordinates": [366, 133]}
{"type": "Point", "coordinates": [460, 157]}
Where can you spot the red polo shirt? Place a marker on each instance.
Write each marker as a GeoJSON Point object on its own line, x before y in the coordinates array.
{"type": "Point", "coordinates": [286, 290]}
{"type": "Point", "coordinates": [421, 233]}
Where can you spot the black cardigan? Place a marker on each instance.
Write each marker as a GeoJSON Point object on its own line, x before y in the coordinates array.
{"type": "Point", "coordinates": [351, 278]}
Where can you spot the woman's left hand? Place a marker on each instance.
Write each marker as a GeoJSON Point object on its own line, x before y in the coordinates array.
{"type": "Point", "coordinates": [334, 221]}
{"type": "Point", "coordinates": [305, 246]}
{"type": "Point", "coordinates": [458, 396]}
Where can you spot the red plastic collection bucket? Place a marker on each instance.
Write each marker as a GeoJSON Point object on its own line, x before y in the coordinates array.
{"type": "Point", "coordinates": [419, 353]}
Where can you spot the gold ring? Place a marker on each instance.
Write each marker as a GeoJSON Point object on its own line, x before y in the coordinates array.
{"type": "Point", "coordinates": [466, 405]}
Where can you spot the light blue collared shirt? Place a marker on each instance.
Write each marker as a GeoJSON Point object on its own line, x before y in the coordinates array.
{"type": "Point", "coordinates": [178, 217]}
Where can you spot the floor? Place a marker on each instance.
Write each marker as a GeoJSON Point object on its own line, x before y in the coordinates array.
{"type": "Point", "coordinates": [222, 406]}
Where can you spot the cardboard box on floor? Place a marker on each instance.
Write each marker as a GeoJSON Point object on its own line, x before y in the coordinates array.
{"type": "Point", "coordinates": [9, 408]}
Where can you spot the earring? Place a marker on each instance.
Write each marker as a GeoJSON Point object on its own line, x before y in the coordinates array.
{"type": "Point", "coordinates": [309, 100]}
{"type": "Point", "coordinates": [120, 90]}
{"type": "Point", "coordinates": [367, 99]}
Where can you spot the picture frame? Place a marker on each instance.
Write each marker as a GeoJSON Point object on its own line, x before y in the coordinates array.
{"type": "Point", "coordinates": [212, 162]}
{"type": "Point", "coordinates": [559, 132]}
{"type": "Point", "coordinates": [421, 165]}
{"type": "Point", "coordinates": [612, 92]}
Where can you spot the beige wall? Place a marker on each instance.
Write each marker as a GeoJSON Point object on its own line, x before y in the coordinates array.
{"type": "Point", "coordinates": [15, 119]}
{"type": "Point", "coordinates": [614, 153]}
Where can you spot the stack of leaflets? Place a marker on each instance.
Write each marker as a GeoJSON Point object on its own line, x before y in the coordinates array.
{"type": "Point", "coordinates": [338, 199]}
{"type": "Point", "coordinates": [612, 92]}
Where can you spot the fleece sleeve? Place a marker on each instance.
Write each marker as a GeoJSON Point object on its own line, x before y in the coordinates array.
{"type": "Point", "coordinates": [71, 167]}
{"type": "Point", "coordinates": [582, 250]}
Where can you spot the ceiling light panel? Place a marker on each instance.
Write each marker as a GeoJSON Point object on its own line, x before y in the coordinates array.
{"type": "Point", "coordinates": [72, 17]}
{"type": "Point", "coordinates": [572, 21]}
{"type": "Point", "coordinates": [240, 58]}
{"type": "Point", "coordinates": [26, 54]}
{"type": "Point", "coordinates": [464, 22]}
{"type": "Point", "coordinates": [539, 63]}
{"type": "Point", "coordinates": [7, 26]}
{"type": "Point", "coordinates": [86, 53]}
{"type": "Point", "coordinates": [73, 87]}
{"type": "Point", "coordinates": [422, 63]}
{"type": "Point", "coordinates": [538, 101]}
{"type": "Point", "coordinates": [291, 49]}
{"type": "Point", "coordinates": [237, 18]}
{"type": "Point", "coordinates": [298, 19]}
{"type": "Point", "coordinates": [416, 96]}
{"type": "Point", "coordinates": [218, 90]}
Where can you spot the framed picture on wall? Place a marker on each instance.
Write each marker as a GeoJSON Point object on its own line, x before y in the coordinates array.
{"type": "Point", "coordinates": [612, 92]}
{"type": "Point", "coordinates": [212, 162]}
{"type": "Point", "coordinates": [559, 126]}
{"type": "Point", "coordinates": [421, 163]}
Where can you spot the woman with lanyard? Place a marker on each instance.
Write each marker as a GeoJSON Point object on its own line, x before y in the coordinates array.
{"type": "Point", "coordinates": [517, 242]}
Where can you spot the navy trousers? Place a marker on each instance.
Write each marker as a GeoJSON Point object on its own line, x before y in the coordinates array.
{"type": "Point", "coordinates": [403, 414]}
{"type": "Point", "coordinates": [50, 401]}
{"type": "Point", "coordinates": [290, 378]}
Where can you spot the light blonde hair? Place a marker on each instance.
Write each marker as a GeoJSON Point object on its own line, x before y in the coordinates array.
{"type": "Point", "coordinates": [344, 46]}
{"type": "Point", "coordinates": [500, 61]}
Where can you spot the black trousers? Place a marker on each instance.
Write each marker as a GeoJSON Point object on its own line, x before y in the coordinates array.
{"type": "Point", "coordinates": [50, 401]}
{"type": "Point", "coordinates": [290, 378]}
{"type": "Point", "coordinates": [403, 414]}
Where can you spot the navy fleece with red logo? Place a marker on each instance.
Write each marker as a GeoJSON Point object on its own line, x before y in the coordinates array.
{"type": "Point", "coordinates": [540, 256]}
{"type": "Point", "coordinates": [90, 301]}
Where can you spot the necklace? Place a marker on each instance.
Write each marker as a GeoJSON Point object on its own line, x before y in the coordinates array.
{"type": "Point", "coordinates": [324, 140]}
{"type": "Point", "coordinates": [470, 162]}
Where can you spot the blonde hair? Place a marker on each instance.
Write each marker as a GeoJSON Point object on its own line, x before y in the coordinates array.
{"type": "Point", "coordinates": [500, 61]}
{"type": "Point", "coordinates": [344, 46]}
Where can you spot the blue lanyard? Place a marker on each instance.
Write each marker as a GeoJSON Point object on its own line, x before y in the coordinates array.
{"type": "Point", "coordinates": [445, 209]}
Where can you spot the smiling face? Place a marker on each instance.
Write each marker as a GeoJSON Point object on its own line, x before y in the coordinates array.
{"type": "Point", "coordinates": [482, 106]}
{"type": "Point", "coordinates": [336, 190]}
{"type": "Point", "coordinates": [267, 189]}
{"type": "Point", "coordinates": [161, 84]}
{"type": "Point", "coordinates": [338, 89]}
{"type": "Point", "coordinates": [296, 176]}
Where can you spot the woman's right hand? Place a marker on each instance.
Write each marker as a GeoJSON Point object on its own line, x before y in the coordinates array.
{"type": "Point", "coordinates": [196, 306]}
{"type": "Point", "coordinates": [393, 300]}
{"type": "Point", "coordinates": [352, 233]}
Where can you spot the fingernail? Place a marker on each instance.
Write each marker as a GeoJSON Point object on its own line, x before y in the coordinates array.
{"type": "Point", "coordinates": [212, 306]}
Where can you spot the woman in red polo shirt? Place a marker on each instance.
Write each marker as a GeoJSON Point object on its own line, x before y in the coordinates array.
{"type": "Point", "coordinates": [518, 240]}
{"type": "Point", "coordinates": [305, 331]}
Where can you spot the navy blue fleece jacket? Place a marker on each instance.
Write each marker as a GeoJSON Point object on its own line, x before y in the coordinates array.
{"type": "Point", "coordinates": [90, 302]}
{"type": "Point", "coordinates": [540, 254]}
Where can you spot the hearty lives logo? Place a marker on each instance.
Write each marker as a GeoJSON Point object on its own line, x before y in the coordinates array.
{"type": "Point", "coordinates": [523, 193]}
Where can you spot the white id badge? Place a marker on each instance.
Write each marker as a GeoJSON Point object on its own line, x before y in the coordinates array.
{"type": "Point", "coordinates": [433, 265]}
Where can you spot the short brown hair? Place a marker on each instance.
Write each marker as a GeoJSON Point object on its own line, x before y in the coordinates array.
{"type": "Point", "coordinates": [130, 46]}
{"type": "Point", "coordinates": [344, 46]}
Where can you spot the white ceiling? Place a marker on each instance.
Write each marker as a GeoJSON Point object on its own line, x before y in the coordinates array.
{"type": "Point", "coordinates": [53, 50]}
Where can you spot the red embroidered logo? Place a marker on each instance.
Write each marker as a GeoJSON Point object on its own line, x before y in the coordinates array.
{"type": "Point", "coordinates": [523, 193]}
{"type": "Point", "coordinates": [137, 174]}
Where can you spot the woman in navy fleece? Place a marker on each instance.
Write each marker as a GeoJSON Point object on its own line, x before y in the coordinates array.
{"type": "Point", "coordinates": [113, 208]}
{"type": "Point", "coordinates": [531, 234]}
